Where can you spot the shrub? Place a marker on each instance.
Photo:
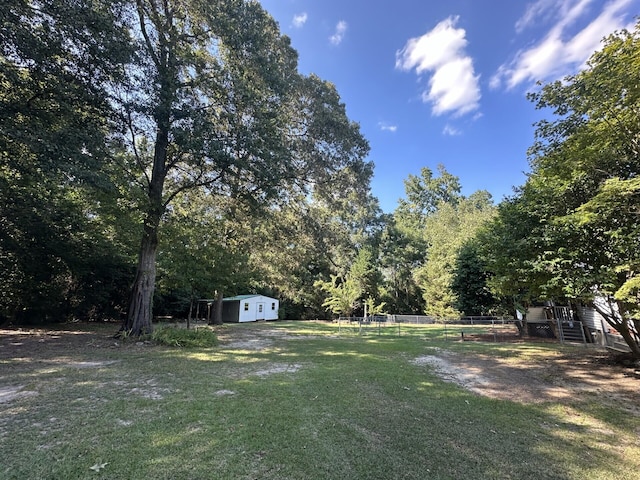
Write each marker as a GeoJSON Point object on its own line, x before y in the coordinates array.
{"type": "Point", "coordinates": [181, 337]}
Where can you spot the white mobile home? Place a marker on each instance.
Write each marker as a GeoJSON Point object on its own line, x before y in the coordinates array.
{"type": "Point", "coordinates": [249, 308]}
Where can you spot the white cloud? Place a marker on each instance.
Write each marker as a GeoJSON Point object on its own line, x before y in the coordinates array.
{"type": "Point", "coordinates": [300, 19]}
{"type": "Point", "coordinates": [542, 11]}
{"type": "Point", "coordinates": [451, 131]}
{"type": "Point", "coordinates": [385, 127]}
{"type": "Point", "coordinates": [338, 36]}
{"type": "Point", "coordinates": [453, 85]}
{"type": "Point", "coordinates": [561, 51]}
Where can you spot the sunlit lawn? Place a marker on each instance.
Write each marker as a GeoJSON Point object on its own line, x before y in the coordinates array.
{"type": "Point", "coordinates": [326, 404]}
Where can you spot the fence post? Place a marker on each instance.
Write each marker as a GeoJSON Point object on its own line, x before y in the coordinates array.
{"type": "Point", "coordinates": [560, 332]}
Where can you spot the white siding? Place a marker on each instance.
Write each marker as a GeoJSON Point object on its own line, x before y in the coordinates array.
{"type": "Point", "coordinates": [250, 309]}
{"type": "Point", "coordinates": [591, 318]}
{"type": "Point", "coordinates": [536, 315]}
{"type": "Point", "coordinates": [247, 310]}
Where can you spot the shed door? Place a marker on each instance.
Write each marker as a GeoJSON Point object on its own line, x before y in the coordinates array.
{"type": "Point", "coordinates": [260, 311]}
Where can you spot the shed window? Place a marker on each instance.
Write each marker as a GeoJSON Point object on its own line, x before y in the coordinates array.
{"type": "Point", "coordinates": [246, 307]}
{"type": "Point", "coordinates": [260, 308]}
{"type": "Point", "coordinates": [273, 306]}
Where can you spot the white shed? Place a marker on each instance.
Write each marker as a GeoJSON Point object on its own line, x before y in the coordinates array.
{"type": "Point", "coordinates": [249, 308]}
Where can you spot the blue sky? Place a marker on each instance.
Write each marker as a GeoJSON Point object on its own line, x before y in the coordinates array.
{"type": "Point", "coordinates": [445, 82]}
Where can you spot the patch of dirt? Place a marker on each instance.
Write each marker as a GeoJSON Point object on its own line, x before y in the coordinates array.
{"type": "Point", "coordinates": [470, 379]}
{"type": "Point", "coordinates": [58, 343]}
{"type": "Point", "coordinates": [98, 364]}
{"type": "Point", "coordinates": [222, 393]}
{"type": "Point", "coordinates": [151, 394]}
{"type": "Point", "coordinates": [249, 337]}
{"type": "Point", "coordinates": [8, 394]}
{"type": "Point", "coordinates": [278, 368]}
{"type": "Point", "coordinates": [539, 379]}
{"type": "Point", "coordinates": [256, 338]}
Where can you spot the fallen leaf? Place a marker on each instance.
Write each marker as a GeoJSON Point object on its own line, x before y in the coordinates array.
{"type": "Point", "coordinates": [98, 466]}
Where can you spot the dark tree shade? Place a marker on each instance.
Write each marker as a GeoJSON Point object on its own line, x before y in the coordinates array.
{"type": "Point", "coordinates": [56, 57]}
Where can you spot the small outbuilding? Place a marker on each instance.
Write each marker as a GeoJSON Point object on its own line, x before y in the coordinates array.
{"type": "Point", "coordinates": [249, 308]}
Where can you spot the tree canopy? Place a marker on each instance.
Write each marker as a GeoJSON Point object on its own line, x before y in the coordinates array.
{"type": "Point", "coordinates": [56, 58]}
{"type": "Point", "coordinates": [572, 230]}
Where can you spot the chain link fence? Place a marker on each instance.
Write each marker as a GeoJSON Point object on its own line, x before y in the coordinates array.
{"type": "Point", "coordinates": [467, 328]}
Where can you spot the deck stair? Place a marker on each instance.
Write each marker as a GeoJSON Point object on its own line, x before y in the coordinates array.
{"type": "Point", "coordinates": [571, 332]}
{"type": "Point", "coordinates": [569, 329]}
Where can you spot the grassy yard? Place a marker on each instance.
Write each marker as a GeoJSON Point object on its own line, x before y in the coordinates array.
{"type": "Point", "coordinates": [294, 400]}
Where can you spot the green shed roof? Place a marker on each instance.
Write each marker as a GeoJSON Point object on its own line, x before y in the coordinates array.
{"type": "Point", "coordinates": [239, 297]}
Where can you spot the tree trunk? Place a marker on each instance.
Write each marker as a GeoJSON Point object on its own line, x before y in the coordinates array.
{"type": "Point", "coordinates": [163, 53]}
{"type": "Point", "coordinates": [631, 341]}
{"type": "Point", "coordinates": [139, 317]}
{"type": "Point", "coordinates": [140, 314]}
{"type": "Point", "coordinates": [217, 311]}
{"type": "Point", "coordinates": [190, 310]}
{"type": "Point", "coordinates": [621, 324]}
{"type": "Point", "coordinates": [519, 322]}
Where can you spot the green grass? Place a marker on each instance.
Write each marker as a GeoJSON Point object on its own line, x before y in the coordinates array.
{"type": "Point", "coordinates": [315, 406]}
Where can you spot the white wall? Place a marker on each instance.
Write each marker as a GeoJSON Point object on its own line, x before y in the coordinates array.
{"type": "Point", "coordinates": [250, 309]}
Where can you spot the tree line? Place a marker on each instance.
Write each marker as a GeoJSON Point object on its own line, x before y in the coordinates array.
{"type": "Point", "coordinates": [153, 153]}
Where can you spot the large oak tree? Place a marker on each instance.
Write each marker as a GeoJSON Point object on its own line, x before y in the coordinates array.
{"type": "Point", "coordinates": [215, 102]}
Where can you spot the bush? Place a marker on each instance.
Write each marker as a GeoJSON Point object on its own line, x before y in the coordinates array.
{"type": "Point", "coordinates": [181, 337]}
